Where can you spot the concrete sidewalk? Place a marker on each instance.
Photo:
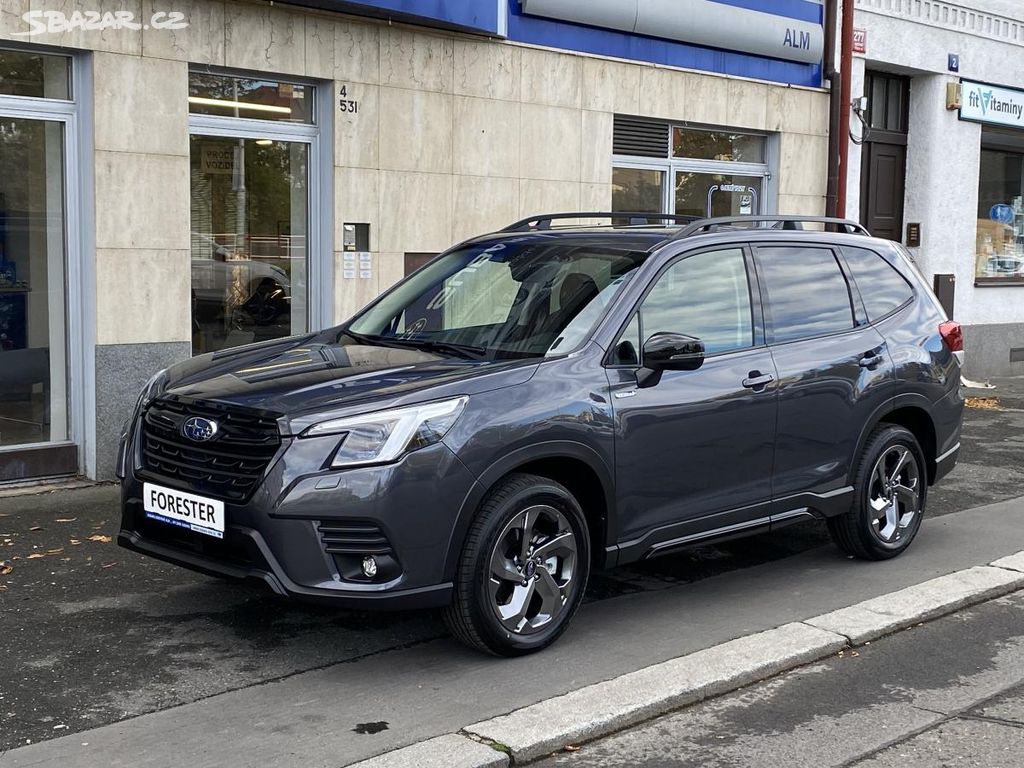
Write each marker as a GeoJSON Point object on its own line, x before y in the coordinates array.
{"type": "Point", "coordinates": [324, 717]}
{"type": "Point", "coordinates": [94, 636]}
{"type": "Point", "coordinates": [948, 693]}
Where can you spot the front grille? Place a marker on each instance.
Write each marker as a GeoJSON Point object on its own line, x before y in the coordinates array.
{"type": "Point", "coordinates": [229, 466]}
{"type": "Point", "coordinates": [354, 537]}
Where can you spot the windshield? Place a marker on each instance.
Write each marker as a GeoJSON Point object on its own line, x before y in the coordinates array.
{"type": "Point", "coordinates": [503, 300]}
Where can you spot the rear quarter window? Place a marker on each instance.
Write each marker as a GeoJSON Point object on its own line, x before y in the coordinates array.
{"type": "Point", "coordinates": [882, 288]}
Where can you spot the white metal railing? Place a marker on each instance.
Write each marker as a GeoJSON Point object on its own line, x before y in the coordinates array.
{"type": "Point", "coordinates": [952, 16]}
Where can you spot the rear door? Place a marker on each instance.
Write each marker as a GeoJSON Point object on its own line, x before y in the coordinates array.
{"type": "Point", "coordinates": [834, 371]}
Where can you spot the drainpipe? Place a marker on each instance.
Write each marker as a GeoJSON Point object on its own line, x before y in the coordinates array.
{"type": "Point", "coordinates": [845, 96]}
{"type": "Point", "coordinates": [832, 76]}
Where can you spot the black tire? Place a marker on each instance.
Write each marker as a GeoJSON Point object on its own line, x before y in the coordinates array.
{"type": "Point", "coordinates": [860, 532]}
{"type": "Point", "coordinates": [473, 615]}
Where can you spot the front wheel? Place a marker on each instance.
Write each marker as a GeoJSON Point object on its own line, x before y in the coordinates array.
{"type": "Point", "coordinates": [891, 488]}
{"type": "Point", "coordinates": [523, 569]}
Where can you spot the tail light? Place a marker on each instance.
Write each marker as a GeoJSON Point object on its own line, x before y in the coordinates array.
{"type": "Point", "coordinates": [953, 335]}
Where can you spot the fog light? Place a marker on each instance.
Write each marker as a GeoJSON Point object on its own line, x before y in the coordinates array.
{"type": "Point", "coordinates": [369, 567]}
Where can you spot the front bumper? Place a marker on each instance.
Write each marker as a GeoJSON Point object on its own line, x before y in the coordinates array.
{"type": "Point", "coordinates": [286, 536]}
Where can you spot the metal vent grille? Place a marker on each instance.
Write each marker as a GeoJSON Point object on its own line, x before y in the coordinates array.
{"type": "Point", "coordinates": [640, 137]}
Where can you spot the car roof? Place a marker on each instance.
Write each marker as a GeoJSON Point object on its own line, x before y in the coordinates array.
{"type": "Point", "coordinates": [647, 238]}
{"type": "Point", "coordinates": [626, 238]}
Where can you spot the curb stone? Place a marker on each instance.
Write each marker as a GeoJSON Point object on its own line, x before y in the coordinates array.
{"type": "Point", "coordinates": [448, 751]}
{"type": "Point", "coordinates": [603, 708]}
{"type": "Point", "coordinates": [880, 616]}
{"type": "Point", "coordinates": [598, 709]}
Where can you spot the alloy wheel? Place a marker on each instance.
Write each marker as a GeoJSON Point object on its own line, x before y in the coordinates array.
{"type": "Point", "coordinates": [533, 569]}
{"type": "Point", "coordinates": [894, 494]}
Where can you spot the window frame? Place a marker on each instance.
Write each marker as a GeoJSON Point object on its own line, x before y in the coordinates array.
{"type": "Point", "coordinates": [994, 139]}
{"type": "Point", "coordinates": [320, 273]}
{"type": "Point", "coordinates": [857, 311]}
{"type": "Point", "coordinates": [672, 166]}
{"type": "Point", "coordinates": [757, 318]}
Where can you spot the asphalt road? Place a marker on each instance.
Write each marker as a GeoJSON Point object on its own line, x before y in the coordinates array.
{"type": "Point", "coordinates": [948, 693]}
{"type": "Point", "coordinates": [92, 634]}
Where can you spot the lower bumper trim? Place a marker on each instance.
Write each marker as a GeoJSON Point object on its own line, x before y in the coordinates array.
{"type": "Point", "coordinates": [434, 596]}
{"type": "Point", "coordinates": [944, 464]}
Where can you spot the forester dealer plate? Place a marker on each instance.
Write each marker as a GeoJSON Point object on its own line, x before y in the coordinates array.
{"type": "Point", "coordinates": [185, 510]}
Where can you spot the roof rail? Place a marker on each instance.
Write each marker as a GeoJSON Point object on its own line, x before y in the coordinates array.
{"type": "Point", "coordinates": [635, 218]}
{"type": "Point", "coordinates": [781, 222]}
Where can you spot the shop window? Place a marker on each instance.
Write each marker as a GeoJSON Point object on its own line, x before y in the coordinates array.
{"type": "Point", "coordinates": [35, 75]}
{"type": "Point", "coordinates": [251, 211]}
{"type": "Point", "coordinates": [247, 97]}
{"type": "Point", "coordinates": [1000, 232]}
{"type": "Point", "coordinates": [638, 190]}
{"type": "Point", "coordinates": [248, 240]}
{"type": "Point", "coordinates": [33, 377]}
{"type": "Point", "coordinates": [703, 172]}
{"type": "Point", "coordinates": [718, 145]}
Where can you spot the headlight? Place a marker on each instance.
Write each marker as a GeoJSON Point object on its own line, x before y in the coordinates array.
{"type": "Point", "coordinates": [153, 389]}
{"type": "Point", "coordinates": [381, 437]}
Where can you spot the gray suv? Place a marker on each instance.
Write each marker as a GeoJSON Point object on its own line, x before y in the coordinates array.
{"type": "Point", "coordinates": [554, 398]}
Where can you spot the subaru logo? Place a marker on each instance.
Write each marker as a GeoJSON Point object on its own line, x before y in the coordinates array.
{"type": "Point", "coordinates": [198, 429]}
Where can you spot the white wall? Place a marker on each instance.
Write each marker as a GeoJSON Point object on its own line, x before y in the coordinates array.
{"type": "Point", "coordinates": [943, 154]}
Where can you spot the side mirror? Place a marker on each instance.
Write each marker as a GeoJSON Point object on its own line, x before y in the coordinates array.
{"type": "Point", "coordinates": [669, 352]}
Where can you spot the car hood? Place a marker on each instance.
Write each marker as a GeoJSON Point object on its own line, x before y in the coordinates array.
{"type": "Point", "coordinates": [306, 376]}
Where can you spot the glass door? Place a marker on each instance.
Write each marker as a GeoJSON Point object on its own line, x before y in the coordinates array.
{"type": "Point", "coordinates": [717, 194]}
{"type": "Point", "coordinates": [33, 356]}
{"type": "Point", "coordinates": [254, 160]}
{"type": "Point", "coordinates": [249, 240]}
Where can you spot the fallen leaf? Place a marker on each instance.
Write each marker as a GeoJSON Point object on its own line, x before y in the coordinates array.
{"type": "Point", "coordinates": [108, 565]}
{"type": "Point", "coordinates": [35, 555]}
{"type": "Point", "coordinates": [983, 403]}
{"type": "Point", "coordinates": [76, 541]}
{"type": "Point", "coordinates": [5, 569]}
{"type": "Point", "coordinates": [36, 528]}
{"type": "Point", "coordinates": [100, 538]}
{"type": "Point", "coordinates": [571, 748]}
{"type": "Point", "coordinates": [57, 551]}
{"type": "Point", "coordinates": [66, 519]}
{"type": "Point", "coordinates": [3, 588]}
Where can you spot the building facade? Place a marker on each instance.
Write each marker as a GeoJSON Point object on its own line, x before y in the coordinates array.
{"type": "Point", "coordinates": [938, 161]}
{"type": "Point", "coordinates": [178, 178]}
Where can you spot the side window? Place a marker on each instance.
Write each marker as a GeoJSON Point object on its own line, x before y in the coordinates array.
{"type": "Point", "coordinates": [706, 295]}
{"type": "Point", "coordinates": [882, 288]}
{"type": "Point", "coordinates": [806, 293]}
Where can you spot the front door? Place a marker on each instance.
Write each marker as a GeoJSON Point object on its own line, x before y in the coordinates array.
{"type": "Point", "coordinates": [694, 451]}
{"type": "Point", "coordinates": [884, 165]}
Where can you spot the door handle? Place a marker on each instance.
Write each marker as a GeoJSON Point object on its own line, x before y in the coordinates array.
{"type": "Point", "coordinates": [871, 360]}
{"type": "Point", "coordinates": [757, 381]}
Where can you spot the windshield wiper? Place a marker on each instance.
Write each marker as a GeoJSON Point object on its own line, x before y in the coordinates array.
{"type": "Point", "coordinates": [398, 342]}
{"type": "Point", "coordinates": [463, 350]}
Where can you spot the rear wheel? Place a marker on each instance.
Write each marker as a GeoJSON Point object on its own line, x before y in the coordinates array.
{"type": "Point", "coordinates": [891, 488]}
{"type": "Point", "coordinates": [523, 569]}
